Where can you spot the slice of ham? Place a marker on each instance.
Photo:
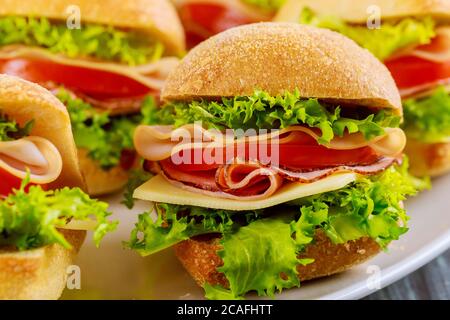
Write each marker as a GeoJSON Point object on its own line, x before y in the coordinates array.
{"type": "Point", "coordinates": [314, 175]}
{"type": "Point", "coordinates": [424, 90]}
{"type": "Point", "coordinates": [254, 181]}
{"type": "Point", "coordinates": [438, 50]}
{"type": "Point", "coordinates": [35, 154]}
{"type": "Point", "coordinates": [156, 143]}
{"type": "Point", "coordinates": [246, 179]}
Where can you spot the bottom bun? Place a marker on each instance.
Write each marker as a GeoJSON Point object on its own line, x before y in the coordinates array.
{"type": "Point", "coordinates": [428, 159]}
{"type": "Point", "coordinates": [199, 257]}
{"type": "Point", "coordinates": [38, 274]}
{"type": "Point", "coordinates": [98, 181]}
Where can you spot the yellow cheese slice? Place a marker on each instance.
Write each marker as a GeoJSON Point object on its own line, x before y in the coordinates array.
{"type": "Point", "coordinates": [158, 189]}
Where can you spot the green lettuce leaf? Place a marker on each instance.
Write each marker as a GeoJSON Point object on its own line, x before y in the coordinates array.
{"type": "Point", "coordinates": [103, 136]}
{"type": "Point", "coordinates": [262, 111]}
{"type": "Point", "coordinates": [382, 42]}
{"type": "Point", "coordinates": [258, 247]}
{"type": "Point", "coordinates": [266, 5]}
{"type": "Point", "coordinates": [97, 41]}
{"type": "Point", "coordinates": [136, 179]}
{"type": "Point", "coordinates": [11, 130]}
{"type": "Point", "coordinates": [177, 223]}
{"type": "Point", "coordinates": [30, 217]}
{"type": "Point", "coordinates": [260, 257]}
{"type": "Point", "coordinates": [428, 119]}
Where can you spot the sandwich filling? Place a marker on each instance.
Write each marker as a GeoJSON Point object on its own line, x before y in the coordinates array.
{"type": "Point", "coordinates": [339, 171]}
{"type": "Point", "coordinates": [22, 155]}
{"type": "Point", "coordinates": [30, 216]}
{"type": "Point", "coordinates": [417, 53]}
{"type": "Point", "coordinates": [313, 140]}
{"type": "Point", "coordinates": [104, 75]}
{"type": "Point", "coordinates": [204, 19]}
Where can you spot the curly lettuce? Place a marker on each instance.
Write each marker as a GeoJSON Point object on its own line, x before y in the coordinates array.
{"type": "Point", "coordinates": [263, 111]}
{"type": "Point", "coordinates": [11, 130]}
{"type": "Point", "coordinates": [137, 177]}
{"type": "Point", "coordinates": [266, 5]}
{"type": "Point", "coordinates": [382, 42]}
{"type": "Point", "coordinates": [103, 136]}
{"type": "Point", "coordinates": [91, 40]}
{"type": "Point", "coordinates": [30, 217]}
{"type": "Point", "coordinates": [260, 246]}
{"type": "Point", "coordinates": [428, 119]}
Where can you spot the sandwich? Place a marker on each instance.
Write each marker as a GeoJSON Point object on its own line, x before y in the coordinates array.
{"type": "Point", "coordinates": [413, 39]}
{"type": "Point", "coordinates": [105, 60]}
{"type": "Point", "coordinates": [44, 214]}
{"type": "Point", "coordinates": [322, 192]}
{"type": "Point", "coordinates": [204, 18]}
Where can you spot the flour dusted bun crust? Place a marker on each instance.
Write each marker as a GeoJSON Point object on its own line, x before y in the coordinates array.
{"type": "Point", "coordinates": [318, 62]}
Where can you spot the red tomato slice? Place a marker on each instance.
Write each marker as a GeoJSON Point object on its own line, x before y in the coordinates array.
{"type": "Point", "coordinates": [202, 20]}
{"type": "Point", "coordinates": [94, 83]}
{"type": "Point", "coordinates": [409, 71]}
{"type": "Point", "coordinates": [8, 182]}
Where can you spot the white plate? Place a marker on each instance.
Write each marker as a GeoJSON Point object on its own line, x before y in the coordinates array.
{"type": "Point", "coordinates": [112, 272]}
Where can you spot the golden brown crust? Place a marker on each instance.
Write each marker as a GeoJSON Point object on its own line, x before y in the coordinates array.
{"type": "Point", "coordinates": [276, 57]}
{"type": "Point", "coordinates": [357, 11]}
{"type": "Point", "coordinates": [428, 159]}
{"type": "Point", "coordinates": [154, 17]}
{"type": "Point", "coordinates": [101, 182]}
{"type": "Point", "coordinates": [24, 101]}
{"type": "Point", "coordinates": [199, 257]}
{"type": "Point", "coordinates": [40, 273]}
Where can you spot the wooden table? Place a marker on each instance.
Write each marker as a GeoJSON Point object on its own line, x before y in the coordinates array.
{"type": "Point", "coordinates": [430, 282]}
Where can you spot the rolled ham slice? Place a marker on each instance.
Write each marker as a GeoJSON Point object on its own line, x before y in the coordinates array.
{"type": "Point", "coordinates": [36, 154]}
{"type": "Point", "coordinates": [254, 181]}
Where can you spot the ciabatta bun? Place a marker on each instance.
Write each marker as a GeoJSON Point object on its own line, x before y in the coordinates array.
{"type": "Point", "coordinates": [156, 18]}
{"type": "Point", "coordinates": [199, 257]}
{"type": "Point", "coordinates": [276, 57]}
{"type": "Point", "coordinates": [24, 101]}
{"type": "Point", "coordinates": [38, 274]}
{"type": "Point", "coordinates": [428, 159]}
{"type": "Point", "coordinates": [362, 10]}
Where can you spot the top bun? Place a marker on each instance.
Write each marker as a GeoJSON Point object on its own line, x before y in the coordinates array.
{"type": "Point", "coordinates": [157, 18]}
{"type": "Point", "coordinates": [359, 11]}
{"type": "Point", "coordinates": [279, 57]}
{"type": "Point", "coordinates": [23, 101]}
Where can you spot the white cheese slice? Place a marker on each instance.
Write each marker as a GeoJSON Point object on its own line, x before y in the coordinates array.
{"type": "Point", "coordinates": [158, 189]}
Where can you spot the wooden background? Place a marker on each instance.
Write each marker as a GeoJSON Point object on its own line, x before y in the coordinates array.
{"type": "Point", "coordinates": [430, 282]}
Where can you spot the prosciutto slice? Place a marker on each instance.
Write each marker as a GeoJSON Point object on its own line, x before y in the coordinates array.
{"type": "Point", "coordinates": [35, 154]}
